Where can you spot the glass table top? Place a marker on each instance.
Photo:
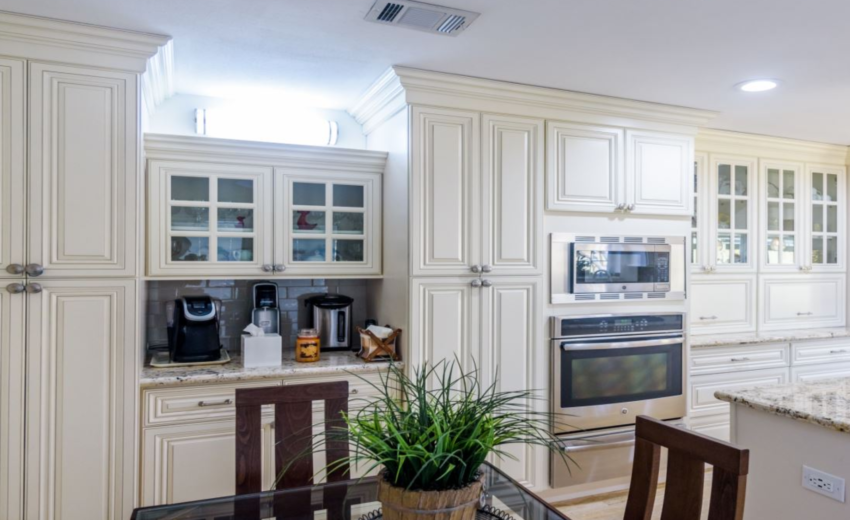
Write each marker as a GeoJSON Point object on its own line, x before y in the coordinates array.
{"type": "Point", "coordinates": [346, 500]}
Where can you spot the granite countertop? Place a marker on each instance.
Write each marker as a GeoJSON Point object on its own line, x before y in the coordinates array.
{"type": "Point", "coordinates": [330, 362]}
{"type": "Point", "coordinates": [780, 336]}
{"type": "Point", "coordinates": [825, 403]}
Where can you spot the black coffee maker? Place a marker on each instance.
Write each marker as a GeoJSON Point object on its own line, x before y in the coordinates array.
{"type": "Point", "coordinates": [193, 336]}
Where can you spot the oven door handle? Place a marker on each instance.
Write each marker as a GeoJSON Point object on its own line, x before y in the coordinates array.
{"type": "Point", "coordinates": [673, 340]}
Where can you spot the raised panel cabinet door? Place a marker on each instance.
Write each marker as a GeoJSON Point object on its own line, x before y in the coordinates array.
{"type": "Point", "coordinates": [209, 219]}
{"type": "Point", "coordinates": [444, 317]}
{"type": "Point", "coordinates": [187, 462]}
{"type": "Point", "coordinates": [82, 409]}
{"type": "Point", "coordinates": [12, 392]}
{"type": "Point", "coordinates": [802, 301]}
{"type": "Point", "coordinates": [703, 387]}
{"type": "Point", "coordinates": [723, 304]}
{"type": "Point", "coordinates": [699, 238]}
{"type": "Point", "coordinates": [446, 192]}
{"type": "Point", "coordinates": [781, 209]}
{"type": "Point", "coordinates": [809, 374]}
{"type": "Point", "coordinates": [13, 192]}
{"type": "Point", "coordinates": [83, 164]}
{"type": "Point", "coordinates": [659, 169]}
{"type": "Point", "coordinates": [512, 357]}
{"type": "Point", "coordinates": [513, 195]}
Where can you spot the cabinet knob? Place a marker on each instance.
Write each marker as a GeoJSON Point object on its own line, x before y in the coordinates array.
{"type": "Point", "coordinates": [630, 207]}
{"type": "Point", "coordinates": [34, 269]}
{"type": "Point", "coordinates": [16, 288]}
{"type": "Point", "coordinates": [620, 207]}
{"type": "Point", "coordinates": [34, 288]}
{"type": "Point", "coordinates": [475, 283]}
{"type": "Point", "coordinates": [486, 268]}
{"type": "Point", "coordinates": [268, 268]}
{"type": "Point", "coordinates": [486, 283]}
{"type": "Point", "coordinates": [15, 269]}
{"type": "Point", "coordinates": [354, 391]}
{"type": "Point", "coordinates": [279, 267]}
{"type": "Point", "coordinates": [475, 268]}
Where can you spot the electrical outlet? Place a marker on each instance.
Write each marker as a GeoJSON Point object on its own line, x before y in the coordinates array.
{"type": "Point", "coordinates": [823, 483]}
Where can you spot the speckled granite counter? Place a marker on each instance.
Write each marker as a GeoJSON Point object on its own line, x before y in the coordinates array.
{"type": "Point", "coordinates": [781, 336]}
{"type": "Point", "coordinates": [825, 403]}
{"type": "Point", "coordinates": [331, 362]}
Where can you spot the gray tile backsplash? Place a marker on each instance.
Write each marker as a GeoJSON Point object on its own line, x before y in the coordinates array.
{"type": "Point", "coordinates": [236, 304]}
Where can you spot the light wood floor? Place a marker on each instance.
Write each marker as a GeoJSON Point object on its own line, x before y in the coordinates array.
{"type": "Point", "coordinates": [611, 506]}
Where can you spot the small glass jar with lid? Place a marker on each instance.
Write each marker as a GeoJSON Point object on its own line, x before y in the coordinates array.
{"type": "Point", "coordinates": [307, 346]}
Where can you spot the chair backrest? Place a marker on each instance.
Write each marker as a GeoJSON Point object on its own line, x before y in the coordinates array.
{"type": "Point", "coordinates": [293, 430]}
{"type": "Point", "coordinates": [688, 453]}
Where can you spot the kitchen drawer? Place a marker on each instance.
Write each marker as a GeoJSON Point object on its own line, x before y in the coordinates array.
{"type": "Point", "coordinates": [702, 388]}
{"type": "Point", "coordinates": [194, 403]}
{"type": "Point", "coordinates": [712, 360]}
{"type": "Point", "coordinates": [806, 374]}
{"type": "Point", "coordinates": [717, 426]}
{"type": "Point", "coordinates": [722, 304]}
{"type": "Point", "coordinates": [817, 352]}
{"type": "Point", "coordinates": [802, 301]}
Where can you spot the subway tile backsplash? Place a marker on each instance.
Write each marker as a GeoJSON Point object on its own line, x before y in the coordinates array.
{"type": "Point", "coordinates": [236, 304]}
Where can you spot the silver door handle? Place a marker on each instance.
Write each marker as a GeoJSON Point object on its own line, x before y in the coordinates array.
{"type": "Point", "coordinates": [672, 340]}
{"type": "Point", "coordinates": [34, 269]}
{"type": "Point", "coordinates": [708, 317]}
{"type": "Point", "coordinates": [738, 359]}
{"type": "Point", "coordinates": [475, 268]}
{"type": "Point", "coordinates": [620, 207]}
{"type": "Point", "coordinates": [354, 391]}
{"type": "Point", "coordinates": [34, 288]}
{"type": "Point", "coordinates": [842, 351]}
{"type": "Point", "coordinates": [202, 404]}
{"type": "Point", "coordinates": [15, 269]}
{"type": "Point", "coordinates": [630, 207]}
{"type": "Point", "coordinates": [804, 313]}
{"type": "Point", "coordinates": [16, 288]}
{"type": "Point", "coordinates": [486, 283]}
{"type": "Point", "coordinates": [279, 267]}
{"type": "Point", "coordinates": [268, 268]}
{"type": "Point", "coordinates": [475, 283]}
{"type": "Point", "coordinates": [486, 268]}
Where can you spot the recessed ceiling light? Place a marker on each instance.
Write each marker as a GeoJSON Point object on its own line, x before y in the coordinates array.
{"type": "Point", "coordinates": [758, 85]}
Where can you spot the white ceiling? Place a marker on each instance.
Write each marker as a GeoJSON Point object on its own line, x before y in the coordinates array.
{"type": "Point", "coordinates": [682, 52]}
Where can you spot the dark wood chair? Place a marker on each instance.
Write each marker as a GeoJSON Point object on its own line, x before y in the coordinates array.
{"type": "Point", "coordinates": [688, 453]}
{"type": "Point", "coordinates": [293, 422]}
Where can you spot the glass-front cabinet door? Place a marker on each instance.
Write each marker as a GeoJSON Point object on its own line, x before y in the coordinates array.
{"type": "Point", "coordinates": [328, 224]}
{"type": "Point", "coordinates": [825, 208]}
{"type": "Point", "coordinates": [700, 261]}
{"type": "Point", "coordinates": [780, 194]}
{"type": "Point", "coordinates": [210, 220]}
{"type": "Point", "coordinates": [733, 214]}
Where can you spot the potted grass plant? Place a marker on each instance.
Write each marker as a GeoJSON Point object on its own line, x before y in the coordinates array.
{"type": "Point", "coordinates": [430, 433]}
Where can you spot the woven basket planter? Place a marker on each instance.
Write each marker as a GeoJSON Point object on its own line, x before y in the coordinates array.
{"type": "Point", "coordinates": [453, 504]}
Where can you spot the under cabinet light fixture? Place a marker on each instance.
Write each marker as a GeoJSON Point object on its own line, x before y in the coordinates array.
{"type": "Point", "coordinates": [255, 125]}
{"type": "Point", "coordinates": [758, 85]}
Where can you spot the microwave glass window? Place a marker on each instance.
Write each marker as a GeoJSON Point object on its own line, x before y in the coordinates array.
{"type": "Point", "coordinates": [596, 267]}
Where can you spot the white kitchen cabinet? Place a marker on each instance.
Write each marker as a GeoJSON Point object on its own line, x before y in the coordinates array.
{"type": "Point", "coordinates": [584, 168]}
{"type": "Point", "coordinates": [700, 229]}
{"type": "Point", "coordinates": [83, 164]}
{"type": "Point", "coordinates": [802, 301]}
{"type": "Point", "coordinates": [327, 223]}
{"type": "Point", "coordinates": [702, 388]}
{"type": "Point", "coordinates": [445, 191]}
{"type": "Point", "coordinates": [209, 218]}
{"type": "Point", "coordinates": [781, 232]}
{"type": "Point", "coordinates": [81, 369]}
{"type": "Point", "coordinates": [723, 303]}
{"type": "Point", "coordinates": [658, 173]}
{"type": "Point", "coordinates": [186, 462]}
{"type": "Point", "coordinates": [732, 210]}
{"type": "Point", "coordinates": [743, 358]}
{"type": "Point", "coordinates": [512, 185]}
{"type": "Point", "coordinates": [12, 395]}
{"type": "Point", "coordinates": [497, 326]}
{"type": "Point", "coordinates": [817, 352]}
{"type": "Point", "coordinates": [825, 217]}
{"type": "Point", "coordinates": [808, 374]}
{"type": "Point", "coordinates": [13, 194]}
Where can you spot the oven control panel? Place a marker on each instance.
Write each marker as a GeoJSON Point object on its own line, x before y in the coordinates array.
{"type": "Point", "coordinates": [606, 325]}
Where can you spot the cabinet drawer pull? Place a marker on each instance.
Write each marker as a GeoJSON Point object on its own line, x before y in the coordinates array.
{"type": "Point", "coordinates": [354, 391]}
{"type": "Point", "coordinates": [737, 359]}
{"type": "Point", "coordinates": [215, 403]}
{"type": "Point", "coordinates": [804, 314]}
{"type": "Point", "coordinates": [708, 317]}
{"type": "Point", "coordinates": [842, 351]}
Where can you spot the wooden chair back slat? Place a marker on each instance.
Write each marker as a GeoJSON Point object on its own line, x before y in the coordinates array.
{"type": "Point", "coordinates": [293, 425]}
{"type": "Point", "coordinates": [688, 453]}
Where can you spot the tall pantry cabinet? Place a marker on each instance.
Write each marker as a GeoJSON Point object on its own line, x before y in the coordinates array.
{"type": "Point", "coordinates": [69, 174]}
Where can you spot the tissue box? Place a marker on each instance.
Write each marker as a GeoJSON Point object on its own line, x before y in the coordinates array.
{"type": "Point", "coordinates": [262, 351]}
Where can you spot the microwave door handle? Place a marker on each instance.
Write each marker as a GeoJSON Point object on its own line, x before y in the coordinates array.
{"type": "Point", "coordinates": [622, 344]}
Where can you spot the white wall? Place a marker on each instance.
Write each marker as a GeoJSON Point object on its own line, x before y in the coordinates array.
{"type": "Point", "coordinates": [177, 116]}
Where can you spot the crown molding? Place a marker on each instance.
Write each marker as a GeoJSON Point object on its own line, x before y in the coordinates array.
{"type": "Point", "coordinates": [767, 147]}
{"type": "Point", "coordinates": [402, 85]}
{"type": "Point", "coordinates": [206, 149]}
{"type": "Point", "coordinates": [33, 37]}
{"type": "Point", "coordinates": [158, 79]}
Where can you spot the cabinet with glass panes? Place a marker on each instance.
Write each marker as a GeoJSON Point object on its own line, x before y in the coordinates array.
{"type": "Point", "coordinates": [732, 202]}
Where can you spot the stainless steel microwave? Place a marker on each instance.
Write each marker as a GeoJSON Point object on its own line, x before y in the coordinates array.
{"type": "Point", "coordinates": [601, 268]}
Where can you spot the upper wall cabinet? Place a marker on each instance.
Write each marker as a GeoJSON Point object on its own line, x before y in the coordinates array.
{"type": "Point", "coordinates": [825, 216]}
{"type": "Point", "coordinates": [781, 216]}
{"type": "Point", "coordinates": [700, 228]}
{"type": "Point", "coordinates": [83, 157]}
{"type": "Point", "coordinates": [470, 217]}
{"type": "Point", "coordinates": [231, 208]}
{"type": "Point", "coordinates": [607, 169]}
{"type": "Point", "coordinates": [12, 176]}
{"type": "Point", "coordinates": [732, 202]}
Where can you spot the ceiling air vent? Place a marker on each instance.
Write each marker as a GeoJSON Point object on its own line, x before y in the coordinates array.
{"type": "Point", "coordinates": [422, 17]}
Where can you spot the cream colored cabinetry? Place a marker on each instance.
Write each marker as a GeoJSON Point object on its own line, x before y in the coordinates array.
{"type": "Point", "coordinates": [225, 208]}
{"type": "Point", "coordinates": [732, 214]}
{"type": "Point", "coordinates": [471, 216]}
{"type": "Point", "coordinates": [13, 193]}
{"type": "Point", "coordinates": [781, 192]}
{"type": "Point", "coordinates": [496, 324]}
{"type": "Point", "coordinates": [609, 169]}
{"type": "Point", "coordinates": [723, 303]}
{"type": "Point", "coordinates": [825, 215]}
{"type": "Point", "coordinates": [700, 246]}
{"type": "Point", "coordinates": [802, 301]}
{"type": "Point", "coordinates": [81, 367]}
{"type": "Point", "coordinates": [12, 392]}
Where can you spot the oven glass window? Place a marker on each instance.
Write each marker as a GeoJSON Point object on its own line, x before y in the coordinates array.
{"type": "Point", "coordinates": [618, 375]}
{"type": "Point", "coordinates": [620, 267]}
